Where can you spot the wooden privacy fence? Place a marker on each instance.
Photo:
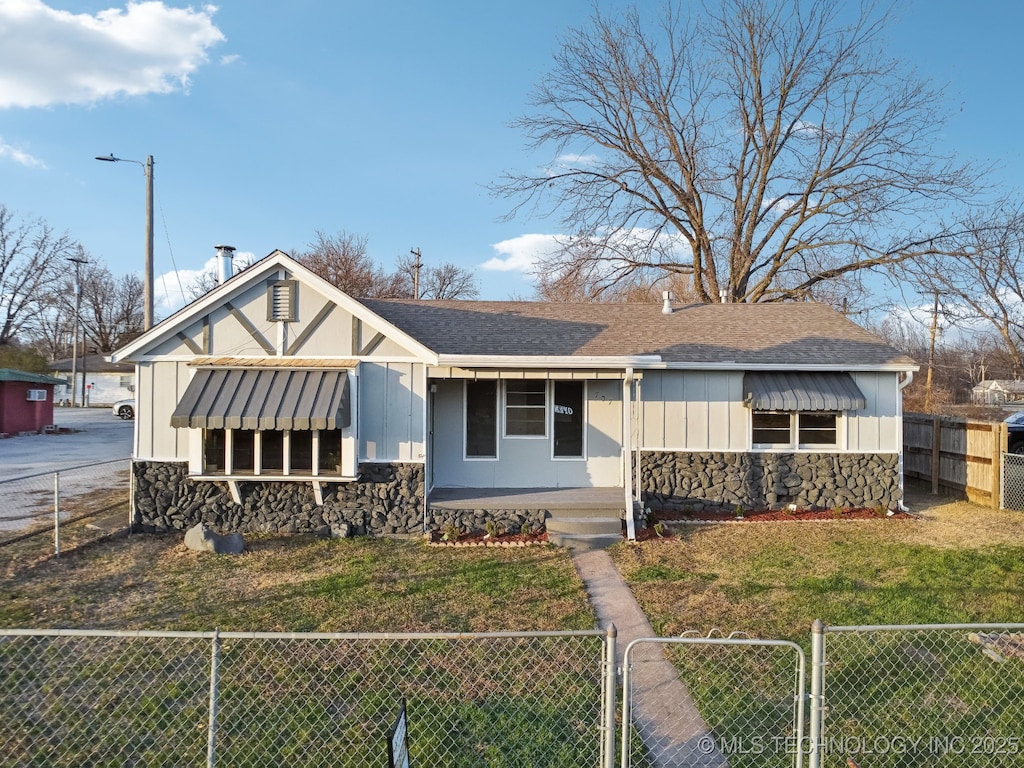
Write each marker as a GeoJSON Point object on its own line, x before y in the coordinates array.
{"type": "Point", "coordinates": [956, 456]}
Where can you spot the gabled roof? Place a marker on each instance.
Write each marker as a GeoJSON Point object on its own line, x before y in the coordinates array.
{"type": "Point", "coordinates": [238, 284]}
{"type": "Point", "coordinates": [1005, 385]}
{"type": "Point", "coordinates": [92, 364]}
{"type": "Point", "coordinates": [803, 334]}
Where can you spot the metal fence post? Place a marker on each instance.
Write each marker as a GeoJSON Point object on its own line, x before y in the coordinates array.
{"type": "Point", "coordinates": [609, 703]}
{"type": "Point", "coordinates": [56, 514]}
{"type": "Point", "coordinates": [817, 688]}
{"type": "Point", "coordinates": [211, 734]}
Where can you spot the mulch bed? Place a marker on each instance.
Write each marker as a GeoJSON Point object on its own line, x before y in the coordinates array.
{"type": "Point", "coordinates": [480, 539]}
{"type": "Point", "coordinates": [762, 516]}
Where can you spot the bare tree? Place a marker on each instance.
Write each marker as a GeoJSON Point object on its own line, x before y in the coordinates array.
{"type": "Point", "coordinates": [445, 281]}
{"type": "Point", "coordinates": [111, 308]}
{"type": "Point", "coordinates": [30, 254]}
{"type": "Point", "coordinates": [343, 261]}
{"type": "Point", "coordinates": [980, 278]}
{"type": "Point", "coordinates": [764, 149]}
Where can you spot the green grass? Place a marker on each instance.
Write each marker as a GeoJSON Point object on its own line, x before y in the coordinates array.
{"type": "Point", "coordinates": [492, 702]}
{"type": "Point", "coordinates": [962, 565]}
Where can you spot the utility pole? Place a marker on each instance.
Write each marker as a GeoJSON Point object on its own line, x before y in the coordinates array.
{"type": "Point", "coordinates": [416, 267]}
{"type": "Point", "coordinates": [78, 313]}
{"type": "Point", "coordinates": [147, 169]}
{"type": "Point", "coordinates": [931, 355]}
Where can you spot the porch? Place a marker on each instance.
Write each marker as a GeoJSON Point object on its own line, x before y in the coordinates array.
{"type": "Point", "coordinates": [576, 517]}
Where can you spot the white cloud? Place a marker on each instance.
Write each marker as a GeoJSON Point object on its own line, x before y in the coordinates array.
{"type": "Point", "coordinates": [570, 160]}
{"type": "Point", "coordinates": [521, 253]}
{"type": "Point", "coordinates": [19, 156]}
{"type": "Point", "coordinates": [49, 56]}
{"type": "Point", "coordinates": [171, 289]}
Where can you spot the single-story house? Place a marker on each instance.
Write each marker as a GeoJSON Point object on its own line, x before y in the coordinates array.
{"type": "Point", "coordinates": [26, 401]}
{"type": "Point", "coordinates": [98, 382]}
{"type": "Point", "coordinates": [278, 402]}
{"type": "Point", "coordinates": [997, 392]}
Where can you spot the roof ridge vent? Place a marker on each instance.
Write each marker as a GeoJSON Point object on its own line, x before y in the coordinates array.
{"type": "Point", "coordinates": [666, 307]}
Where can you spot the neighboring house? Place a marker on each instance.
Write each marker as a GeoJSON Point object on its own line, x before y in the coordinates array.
{"type": "Point", "coordinates": [99, 382]}
{"type": "Point", "coordinates": [26, 401]}
{"type": "Point", "coordinates": [278, 402]}
{"type": "Point", "coordinates": [997, 392]}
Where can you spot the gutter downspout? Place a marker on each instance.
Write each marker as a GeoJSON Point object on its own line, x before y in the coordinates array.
{"type": "Point", "coordinates": [900, 387]}
{"type": "Point", "coordinates": [627, 451]}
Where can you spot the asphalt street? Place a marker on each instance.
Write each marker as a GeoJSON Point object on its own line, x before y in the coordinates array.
{"type": "Point", "coordinates": [100, 436]}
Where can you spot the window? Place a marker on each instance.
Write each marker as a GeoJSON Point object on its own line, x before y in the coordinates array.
{"type": "Point", "coordinates": [271, 447]}
{"type": "Point", "coordinates": [817, 428]}
{"type": "Point", "coordinates": [526, 408]}
{"type": "Point", "coordinates": [567, 419]}
{"type": "Point", "coordinates": [481, 419]}
{"type": "Point", "coordinates": [799, 429]}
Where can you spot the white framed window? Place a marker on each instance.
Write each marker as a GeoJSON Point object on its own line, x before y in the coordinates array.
{"type": "Point", "coordinates": [481, 419]}
{"type": "Point", "coordinates": [526, 410]}
{"type": "Point", "coordinates": [794, 429]}
{"type": "Point", "coordinates": [272, 452]}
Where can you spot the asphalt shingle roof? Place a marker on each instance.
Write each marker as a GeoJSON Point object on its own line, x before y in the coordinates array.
{"type": "Point", "coordinates": [792, 334]}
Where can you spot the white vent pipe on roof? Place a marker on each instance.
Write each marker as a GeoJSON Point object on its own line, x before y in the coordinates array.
{"type": "Point", "coordinates": [225, 257]}
{"type": "Point", "coordinates": [723, 294]}
{"type": "Point", "coordinates": [666, 307]}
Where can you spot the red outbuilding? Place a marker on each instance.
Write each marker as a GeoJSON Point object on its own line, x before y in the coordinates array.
{"type": "Point", "coordinates": [26, 401]}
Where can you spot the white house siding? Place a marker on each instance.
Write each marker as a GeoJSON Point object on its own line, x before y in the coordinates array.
{"type": "Point", "coordinates": [693, 411]}
{"type": "Point", "coordinates": [107, 388]}
{"type": "Point", "coordinates": [528, 462]}
{"type": "Point", "coordinates": [704, 411]}
{"type": "Point", "coordinates": [160, 387]}
{"type": "Point", "coordinates": [877, 428]}
{"type": "Point", "coordinates": [392, 412]}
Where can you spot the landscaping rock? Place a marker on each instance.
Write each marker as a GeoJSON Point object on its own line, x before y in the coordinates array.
{"type": "Point", "coordinates": [199, 538]}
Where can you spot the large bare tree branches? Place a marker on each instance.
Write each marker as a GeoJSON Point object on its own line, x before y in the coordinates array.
{"type": "Point", "coordinates": [765, 149]}
{"type": "Point", "coordinates": [30, 255]}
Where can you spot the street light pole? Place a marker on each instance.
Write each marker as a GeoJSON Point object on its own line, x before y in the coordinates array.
{"type": "Point", "coordinates": [147, 168]}
{"type": "Point", "coordinates": [78, 313]}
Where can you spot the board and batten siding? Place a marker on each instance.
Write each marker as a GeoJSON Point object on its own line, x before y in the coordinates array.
{"type": "Point", "coordinates": [160, 385]}
{"type": "Point", "coordinates": [704, 411]}
{"type": "Point", "coordinates": [392, 411]}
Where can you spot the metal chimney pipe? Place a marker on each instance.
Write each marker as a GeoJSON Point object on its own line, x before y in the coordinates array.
{"type": "Point", "coordinates": [225, 256]}
{"type": "Point", "coordinates": [666, 307]}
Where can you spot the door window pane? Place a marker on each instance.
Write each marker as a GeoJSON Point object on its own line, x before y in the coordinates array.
{"type": "Point", "coordinates": [567, 417]}
{"type": "Point", "coordinates": [482, 419]}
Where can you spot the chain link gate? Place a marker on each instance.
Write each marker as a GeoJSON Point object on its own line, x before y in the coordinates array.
{"type": "Point", "coordinates": [712, 703]}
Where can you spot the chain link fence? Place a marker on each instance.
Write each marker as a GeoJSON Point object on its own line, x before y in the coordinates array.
{"type": "Point", "coordinates": [894, 697]}
{"type": "Point", "coordinates": [73, 698]}
{"type": "Point", "coordinates": [66, 504]}
{"type": "Point", "coordinates": [712, 703]}
{"type": "Point", "coordinates": [1012, 481]}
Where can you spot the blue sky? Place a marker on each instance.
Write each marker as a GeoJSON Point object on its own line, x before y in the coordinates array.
{"type": "Point", "coordinates": [271, 120]}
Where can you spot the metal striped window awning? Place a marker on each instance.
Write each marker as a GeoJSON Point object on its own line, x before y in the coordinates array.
{"type": "Point", "coordinates": [802, 391]}
{"type": "Point", "coordinates": [253, 398]}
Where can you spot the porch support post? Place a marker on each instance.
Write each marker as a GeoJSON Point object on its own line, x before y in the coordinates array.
{"type": "Point", "coordinates": [627, 451]}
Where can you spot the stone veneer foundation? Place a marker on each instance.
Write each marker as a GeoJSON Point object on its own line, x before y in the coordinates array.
{"type": "Point", "coordinates": [386, 500]}
{"type": "Point", "coordinates": [680, 481]}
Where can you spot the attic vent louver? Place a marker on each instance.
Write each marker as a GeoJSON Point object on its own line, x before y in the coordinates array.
{"type": "Point", "coordinates": [281, 301]}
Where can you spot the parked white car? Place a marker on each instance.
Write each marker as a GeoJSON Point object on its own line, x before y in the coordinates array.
{"type": "Point", "coordinates": [124, 408]}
